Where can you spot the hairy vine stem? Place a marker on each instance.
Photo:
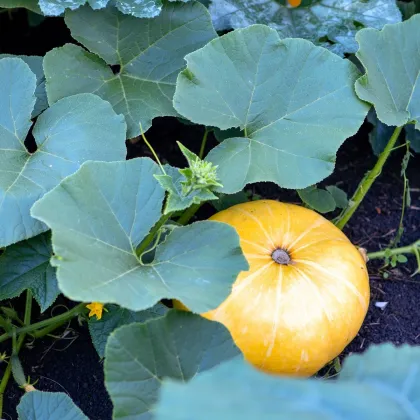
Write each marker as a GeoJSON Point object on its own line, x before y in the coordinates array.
{"type": "Point", "coordinates": [149, 238]}
{"type": "Point", "coordinates": [55, 320]}
{"type": "Point", "coordinates": [413, 249]}
{"type": "Point", "coordinates": [189, 213]}
{"type": "Point", "coordinates": [203, 143]}
{"type": "Point", "coordinates": [367, 181]}
{"type": "Point", "coordinates": [16, 349]}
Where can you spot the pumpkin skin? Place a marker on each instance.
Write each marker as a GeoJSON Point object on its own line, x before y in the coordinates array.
{"type": "Point", "coordinates": [292, 319]}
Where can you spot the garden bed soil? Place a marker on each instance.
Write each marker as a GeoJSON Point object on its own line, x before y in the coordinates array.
{"type": "Point", "coordinates": [70, 363]}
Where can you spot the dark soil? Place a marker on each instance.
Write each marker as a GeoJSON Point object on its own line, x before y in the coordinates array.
{"type": "Point", "coordinates": [71, 365]}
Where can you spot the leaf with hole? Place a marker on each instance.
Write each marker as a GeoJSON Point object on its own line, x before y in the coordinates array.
{"type": "Point", "coordinates": [148, 54]}
{"type": "Point", "coordinates": [391, 82]}
{"type": "Point", "coordinates": [294, 119]}
{"type": "Point", "coordinates": [73, 130]}
{"type": "Point", "coordinates": [26, 265]}
{"type": "Point", "coordinates": [101, 214]}
{"type": "Point", "coordinates": [179, 345]}
{"type": "Point", "coordinates": [245, 393]}
{"type": "Point", "coordinates": [38, 405]}
{"type": "Point", "coordinates": [330, 23]}
{"type": "Point", "coordinates": [115, 317]}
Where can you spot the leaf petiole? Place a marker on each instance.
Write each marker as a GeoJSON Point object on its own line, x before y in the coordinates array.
{"type": "Point", "coordinates": [189, 213]}
{"type": "Point", "coordinates": [16, 347]}
{"type": "Point", "coordinates": [152, 150]}
{"type": "Point", "coordinates": [149, 238]}
{"type": "Point", "coordinates": [413, 249]}
{"type": "Point", "coordinates": [203, 143]}
{"type": "Point", "coordinates": [367, 182]}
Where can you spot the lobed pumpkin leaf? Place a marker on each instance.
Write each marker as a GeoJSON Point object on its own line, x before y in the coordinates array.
{"type": "Point", "coordinates": [149, 52]}
{"type": "Point", "coordinates": [368, 387]}
{"type": "Point", "coordinates": [37, 405]}
{"type": "Point", "coordinates": [115, 317]}
{"type": "Point", "coordinates": [391, 82]}
{"type": "Point", "coordinates": [294, 118]}
{"type": "Point", "coordinates": [179, 345]}
{"type": "Point", "coordinates": [137, 8]}
{"type": "Point", "coordinates": [330, 23]}
{"type": "Point", "coordinates": [75, 129]}
{"type": "Point", "coordinates": [35, 64]}
{"type": "Point", "coordinates": [26, 265]}
{"type": "Point", "coordinates": [101, 214]}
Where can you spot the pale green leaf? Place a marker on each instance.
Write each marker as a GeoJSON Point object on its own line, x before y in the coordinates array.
{"type": "Point", "coordinates": [75, 129]}
{"type": "Point", "coordinates": [179, 345]}
{"type": "Point", "coordinates": [295, 118]}
{"type": "Point", "coordinates": [57, 7]}
{"type": "Point", "coordinates": [382, 383]}
{"type": "Point", "coordinates": [176, 200]}
{"type": "Point", "coordinates": [115, 317]}
{"type": "Point", "coordinates": [391, 82]}
{"type": "Point", "coordinates": [37, 405]}
{"type": "Point", "coordinates": [318, 199]}
{"type": "Point", "coordinates": [150, 53]}
{"type": "Point", "coordinates": [137, 8]}
{"type": "Point", "coordinates": [35, 64]}
{"type": "Point", "coordinates": [102, 213]}
{"type": "Point", "coordinates": [340, 196]}
{"type": "Point", "coordinates": [26, 265]}
{"type": "Point", "coordinates": [330, 23]}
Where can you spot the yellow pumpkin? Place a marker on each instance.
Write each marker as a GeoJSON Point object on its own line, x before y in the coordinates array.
{"type": "Point", "coordinates": [305, 295]}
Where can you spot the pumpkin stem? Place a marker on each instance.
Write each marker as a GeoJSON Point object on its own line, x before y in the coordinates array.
{"type": "Point", "coordinates": [280, 256]}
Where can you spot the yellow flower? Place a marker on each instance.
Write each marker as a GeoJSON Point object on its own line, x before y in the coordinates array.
{"type": "Point", "coordinates": [96, 308]}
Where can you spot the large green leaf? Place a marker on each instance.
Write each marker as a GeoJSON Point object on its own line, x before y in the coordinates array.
{"type": "Point", "coordinates": [150, 53]}
{"type": "Point", "coordinates": [26, 265]}
{"type": "Point", "coordinates": [37, 405]}
{"type": "Point", "coordinates": [295, 102]}
{"type": "Point", "coordinates": [75, 129]}
{"type": "Point", "coordinates": [179, 346]}
{"type": "Point", "coordinates": [383, 383]}
{"type": "Point", "coordinates": [115, 317]}
{"type": "Point", "coordinates": [391, 82]}
{"type": "Point", "coordinates": [137, 8]}
{"type": "Point", "coordinates": [101, 214]}
{"type": "Point", "coordinates": [330, 23]}
{"type": "Point", "coordinates": [35, 64]}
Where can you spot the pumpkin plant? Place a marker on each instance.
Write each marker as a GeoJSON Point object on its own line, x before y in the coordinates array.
{"type": "Point", "coordinates": [268, 285]}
